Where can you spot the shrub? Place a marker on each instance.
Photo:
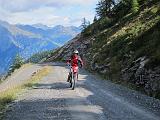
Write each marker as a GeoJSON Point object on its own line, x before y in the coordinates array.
{"type": "Point", "coordinates": [17, 63]}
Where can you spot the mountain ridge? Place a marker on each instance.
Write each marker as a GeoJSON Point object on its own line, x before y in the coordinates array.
{"type": "Point", "coordinates": [27, 40]}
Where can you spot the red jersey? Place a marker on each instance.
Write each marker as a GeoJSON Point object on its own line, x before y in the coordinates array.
{"type": "Point", "coordinates": [75, 59]}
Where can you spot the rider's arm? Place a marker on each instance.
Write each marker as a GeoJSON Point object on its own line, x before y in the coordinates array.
{"type": "Point", "coordinates": [68, 61]}
{"type": "Point", "coordinates": [80, 60]}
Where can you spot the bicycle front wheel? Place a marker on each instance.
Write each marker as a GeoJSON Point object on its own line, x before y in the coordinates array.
{"type": "Point", "coordinates": [74, 78]}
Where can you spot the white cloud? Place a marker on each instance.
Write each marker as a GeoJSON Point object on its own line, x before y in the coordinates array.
{"type": "Point", "coordinates": [24, 5]}
{"type": "Point", "coordinates": [42, 15]}
{"type": "Point", "coordinates": [48, 12]}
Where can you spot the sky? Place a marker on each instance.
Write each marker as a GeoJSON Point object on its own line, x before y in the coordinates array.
{"type": "Point", "coordinates": [47, 12]}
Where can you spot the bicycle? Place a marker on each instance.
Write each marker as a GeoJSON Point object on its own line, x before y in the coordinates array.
{"type": "Point", "coordinates": [73, 76]}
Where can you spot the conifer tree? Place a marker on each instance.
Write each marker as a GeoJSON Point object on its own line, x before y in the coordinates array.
{"type": "Point", "coordinates": [135, 6]}
{"type": "Point", "coordinates": [95, 19]}
{"type": "Point", "coordinates": [17, 63]}
{"type": "Point", "coordinates": [85, 23]}
{"type": "Point", "coordinates": [104, 8]}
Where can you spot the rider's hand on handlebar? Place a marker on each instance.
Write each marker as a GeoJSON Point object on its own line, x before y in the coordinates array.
{"type": "Point", "coordinates": [81, 66]}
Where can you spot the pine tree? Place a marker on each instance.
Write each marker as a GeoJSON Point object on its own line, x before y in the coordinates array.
{"type": "Point", "coordinates": [100, 9]}
{"type": "Point", "coordinates": [95, 19]}
{"type": "Point", "coordinates": [17, 63]}
{"type": "Point", "coordinates": [85, 23]}
{"type": "Point", "coordinates": [135, 6]}
{"type": "Point", "coordinates": [104, 8]}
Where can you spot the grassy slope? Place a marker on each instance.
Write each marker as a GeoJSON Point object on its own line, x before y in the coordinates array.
{"type": "Point", "coordinates": [135, 35]}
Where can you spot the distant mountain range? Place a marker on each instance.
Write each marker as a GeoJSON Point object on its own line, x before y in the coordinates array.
{"type": "Point", "coordinates": [27, 40]}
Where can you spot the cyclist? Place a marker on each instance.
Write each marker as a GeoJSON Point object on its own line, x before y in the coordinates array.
{"type": "Point", "coordinates": [75, 60]}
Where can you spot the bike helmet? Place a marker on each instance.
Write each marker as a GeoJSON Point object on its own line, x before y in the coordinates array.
{"type": "Point", "coordinates": [75, 52]}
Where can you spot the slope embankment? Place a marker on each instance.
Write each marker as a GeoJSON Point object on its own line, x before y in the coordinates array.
{"type": "Point", "coordinates": [19, 81]}
{"type": "Point", "coordinates": [126, 52]}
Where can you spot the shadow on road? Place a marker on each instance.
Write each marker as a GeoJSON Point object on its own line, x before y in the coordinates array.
{"type": "Point", "coordinates": [52, 109]}
{"type": "Point", "coordinates": [56, 86]}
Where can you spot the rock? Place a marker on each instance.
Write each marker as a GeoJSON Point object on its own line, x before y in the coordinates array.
{"type": "Point", "coordinates": [103, 71]}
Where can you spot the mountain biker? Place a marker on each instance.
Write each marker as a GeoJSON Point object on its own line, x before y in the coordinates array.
{"type": "Point", "coordinates": [75, 60]}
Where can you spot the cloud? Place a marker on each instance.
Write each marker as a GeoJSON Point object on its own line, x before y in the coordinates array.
{"type": "Point", "coordinates": [48, 12]}
{"type": "Point", "coordinates": [25, 5]}
{"type": "Point", "coordinates": [17, 5]}
{"type": "Point", "coordinates": [42, 15]}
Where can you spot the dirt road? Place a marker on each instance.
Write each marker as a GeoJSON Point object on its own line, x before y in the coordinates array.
{"type": "Point", "coordinates": [93, 99]}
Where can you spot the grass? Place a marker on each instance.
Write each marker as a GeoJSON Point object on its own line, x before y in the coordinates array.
{"type": "Point", "coordinates": [11, 94]}
{"type": "Point", "coordinates": [37, 77]}
{"type": "Point", "coordinates": [126, 37]}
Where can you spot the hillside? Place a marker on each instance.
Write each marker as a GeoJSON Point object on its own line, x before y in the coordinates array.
{"type": "Point", "coordinates": [27, 40]}
{"type": "Point", "coordinates": [125, 52]}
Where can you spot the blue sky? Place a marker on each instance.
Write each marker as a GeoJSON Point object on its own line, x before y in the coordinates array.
{"type": "Point", "coordinates": [48, 12]}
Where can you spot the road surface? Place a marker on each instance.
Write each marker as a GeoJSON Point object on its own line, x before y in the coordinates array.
{"type": "Point", "coordinates": [93, 99]}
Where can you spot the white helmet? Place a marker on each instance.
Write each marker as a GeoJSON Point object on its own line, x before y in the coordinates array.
{"type": "Point", "coordinates": [76, 51]}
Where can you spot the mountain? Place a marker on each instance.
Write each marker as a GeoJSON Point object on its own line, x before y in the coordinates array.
{"type": "Point", "coordinates": [58, 34]}
{"type": "Point", "coordinates": [41, 26]}
{"type": "Point", "coordinates": [125, 50]}
{"type": "Point", "coordinates": [27, 40]}
{"type": "Point", "coordinates": [8, 49]}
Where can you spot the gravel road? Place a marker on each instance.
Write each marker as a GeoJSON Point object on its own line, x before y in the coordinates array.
{"type": "Point", "coordinates": [93, 99]}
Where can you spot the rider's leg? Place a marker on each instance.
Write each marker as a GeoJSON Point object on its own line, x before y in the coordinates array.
{"type": "Point", "coordinates": [77, 74]}
{"type": "Point", "coordinates": [68, 77]}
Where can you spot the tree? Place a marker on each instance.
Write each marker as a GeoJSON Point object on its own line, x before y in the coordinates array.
{"type": "Point", "coordinates": [100, 9]}
{"type": "Point", "coordinates": [121, 8]}
{"type": "Point", "coordinates": [39, 57]}
{"type": "Point", "coordinates": [135, 6]}
{"type": "Point", "coordinates": [95, 19]}
{"type": "Point", "coordinates": [85, 23]}
{"type": "Point", "coordinates": [104, 8]}
{"type": "Point", "coordinates": [17, 63]}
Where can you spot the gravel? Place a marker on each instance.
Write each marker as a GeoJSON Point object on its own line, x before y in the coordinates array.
{"type": "Point", "coordinates": [93, 99]}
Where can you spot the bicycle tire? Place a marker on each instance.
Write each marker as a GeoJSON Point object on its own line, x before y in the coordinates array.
{"type": "Point", "coordinates": [74, 81]}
